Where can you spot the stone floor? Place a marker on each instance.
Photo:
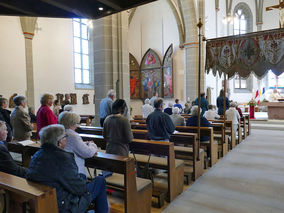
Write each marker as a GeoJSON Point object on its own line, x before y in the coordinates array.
{"type": "Point", "coordinates": [249, 179]}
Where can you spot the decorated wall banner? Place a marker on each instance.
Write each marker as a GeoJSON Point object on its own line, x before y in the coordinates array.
{"type": "Point", "coordinates": [256, 52]}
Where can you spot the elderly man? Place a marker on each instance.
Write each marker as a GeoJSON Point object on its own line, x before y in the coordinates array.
{"type": "Point", "coordinates": [176, 118]}
{"type": "Point", "coordinates": [169, 109]}
{"type": "Point", "coordinates": [21, 120]}
{"type": "Point", "coordinates": [7, 164]}
{"type": "Point", "coordinates": [5, 116]}
{"type": "Point", "coordinates": [53, 166]}
{"type": "Point", "coordinates": [211, 114]}
{"type": "Point", "coordinates": [105, 106]}
{"type": "Point", "coordinates": [159, 124]}
{"type": "Point", "coordinates": [147, 109]}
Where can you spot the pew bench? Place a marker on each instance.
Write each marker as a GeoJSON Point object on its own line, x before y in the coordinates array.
{"type": "Point", "coordinates": [182, 142]}
{"type": "Point", "coordinates": [23, 194]}
{"type": "Point", "coordinates": [135, 190]}
{"type": "Point", "coordinates": [221, 137]}
{"type": "Point", "coordinates": [142, 148]}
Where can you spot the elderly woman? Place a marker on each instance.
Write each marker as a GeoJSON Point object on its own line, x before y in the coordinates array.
{"type": "Point", "coordinates": [75, 144]}
{"type": "Point", "coordinates": [7, 164]}
{"type": "Point", "coordinates": [117, 130]}
{"type": "Point", "coordinates": [45, 116]}
{"type": "Point", "coordinates": [177, 119]}
{"type": "Point", "coordinates": [5, 116]}
{"type": "Point", "coordinates": [20, 119]}
{"type": "Point", "coordinates": [193, 121]}
{"type": "Point", "coordinates": [53, 166]}
{"type": "Point", "coordinates": [233, 115]}
{"type": "Point", "coordinates": [169, 109]}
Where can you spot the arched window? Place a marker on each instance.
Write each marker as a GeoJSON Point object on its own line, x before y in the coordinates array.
{"type": "Point", "coordinates": [83, 75]}
{"type": "Point", "coordinates": [243, 23]}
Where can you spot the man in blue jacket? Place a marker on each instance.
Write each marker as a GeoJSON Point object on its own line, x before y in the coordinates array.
{"type": "Point", "coordinates": [53, 166]}
{"type": "Point", "coordinates": [159, 124]}
{"type": "Point", "coordinates": [203, 103]}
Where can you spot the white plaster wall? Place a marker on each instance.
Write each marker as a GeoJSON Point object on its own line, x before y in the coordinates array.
{"type": "Point", "coordinates": [52, 60]}
{"type": "Point", "coordinates": [12, 57]}
{"type": "Point", "coordinates": [270, 18]}
{"type": "Point", "coordinates": [154, 26]}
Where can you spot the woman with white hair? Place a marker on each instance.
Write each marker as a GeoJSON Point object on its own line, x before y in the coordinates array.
{"type": "Point", "coordinates": [233, 115]}
{"type": "Point", "coordinates": [7, 164]}
{"type": "Point", "coordinates": [45, 116]}
{"type": "Point", "coordinates": [147, 109]}
{"type": "Point", "coordinates": [176, 118]}
{"type": "Point", "coordinates": [193, 121]}
{"type": "Point", "coordinates": [20, 119]}
{"type": "Point", "coordinates": [68, 108]}
{"type": "Point", "coordinates": [53, 166]}
{"type": "Point", "coordinates": [74, 142]}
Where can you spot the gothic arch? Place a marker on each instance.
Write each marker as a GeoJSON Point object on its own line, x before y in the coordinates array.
{"type": "Point", "coordinates": [178, 18]}
{"type": "Point", "coordinates": [248, 14]}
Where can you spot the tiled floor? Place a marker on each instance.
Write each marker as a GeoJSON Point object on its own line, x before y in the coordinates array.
{"type": "Point", "coordinates": [249, 179]}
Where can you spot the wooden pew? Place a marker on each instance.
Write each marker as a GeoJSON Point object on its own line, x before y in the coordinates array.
{"type": "Point", "coordinates": [221, 137]}
{"type": "Point", "coordinates": [137, 191]}
{"type": "Point", "coordinates": [138, 117]}
{"type": "Point", "coordinates": [210, 145]}
{"type": "Point", "coordinates": [39, 198]}
{"type": "Point", "coordinates": [185, 153]}
{"type": "Point", "coordinates": [174, 167]}
{"type": "Point", "coordinates": [138, 121]}
{"type": "Point", "coordinates": [86, 119]}
{"type": "Point", "coordinates": [229, 131]}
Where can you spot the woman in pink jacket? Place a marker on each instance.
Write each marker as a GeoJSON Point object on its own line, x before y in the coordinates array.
{"type": "Point", "coordinates": [45, 116]}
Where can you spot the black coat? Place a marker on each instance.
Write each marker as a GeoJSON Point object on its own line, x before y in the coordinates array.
{"type": "Point", "coordinates": [8, 165]}
{"type": "Point", "coordinates": [55, 167]}
{"type": "Point", "coordinates": [5, 116]}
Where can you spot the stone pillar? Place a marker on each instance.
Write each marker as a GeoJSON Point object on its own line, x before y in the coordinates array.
{"type": "Point", "coordinates": [191, 48]}
{"type": "Point", "coordinates": [28, 27]}
{"type": "Point", "coordinates": [111, 58]}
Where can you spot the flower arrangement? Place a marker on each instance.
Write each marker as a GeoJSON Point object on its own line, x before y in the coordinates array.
{"type": "Point", "coordinates": [252, 102]}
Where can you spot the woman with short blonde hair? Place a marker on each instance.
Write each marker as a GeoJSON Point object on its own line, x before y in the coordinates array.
{"type": "Point", "coordinates": [45, 116]}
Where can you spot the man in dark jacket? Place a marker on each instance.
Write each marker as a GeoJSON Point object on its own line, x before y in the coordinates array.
{"type": "Point", "coordinates": [5, 116]}
{"type": "Point", "coordinates": [159, 124]}
{"type": "Point", "coordinates": [54, 167]}
{"type": "Point", "coordinates": [7, 164]}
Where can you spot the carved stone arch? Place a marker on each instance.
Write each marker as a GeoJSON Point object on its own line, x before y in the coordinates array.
{"type": "Point", "coordinates": [134, 77]}
{"type": "Point", "coordinates": [151, 75]}
{"type": "Point", "coordinates": [168, 73]}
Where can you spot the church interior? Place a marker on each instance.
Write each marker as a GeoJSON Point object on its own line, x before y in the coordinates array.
{"type": "Point", "coordinates": [140, 49]}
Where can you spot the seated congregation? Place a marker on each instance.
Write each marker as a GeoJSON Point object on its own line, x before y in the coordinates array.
{"type": "Point", "coordinates": [148, 157]}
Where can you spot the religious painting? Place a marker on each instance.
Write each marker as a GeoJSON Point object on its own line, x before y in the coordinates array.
{"type": "Point", "coordinates": [168, 73]}
{"type": "Point", "coordinates": [151, 75]}
{"type": "Point", "coordinates": [134, 77]}
{"type": "Point", "coordinates": [85, 99]}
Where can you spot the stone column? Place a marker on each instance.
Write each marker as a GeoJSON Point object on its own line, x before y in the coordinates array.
{"type": "Point", "coordinates": [111, 58]}
{"type": "Point", "coordinates": [191, 48]}
{"type": "Point", "coordinates": [28, 27]}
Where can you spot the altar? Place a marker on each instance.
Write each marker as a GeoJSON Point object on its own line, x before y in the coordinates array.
{"type": "Point", "coordinates": [275, 109]}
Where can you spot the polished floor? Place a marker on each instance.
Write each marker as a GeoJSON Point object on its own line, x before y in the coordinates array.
{"type": "Point", "coordinates": [249, 179]}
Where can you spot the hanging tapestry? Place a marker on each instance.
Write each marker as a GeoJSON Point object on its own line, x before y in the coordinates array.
{"type": "Point", "coordinates": [256, 52]}
{"type": "Point", "coordinates": [168, 73]}
{"type": "Point", "coordinates": [151, 75]}
{"type": "Point", "coordinates": [134, 77]}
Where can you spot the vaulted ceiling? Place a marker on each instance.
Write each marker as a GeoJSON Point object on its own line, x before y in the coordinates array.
{"type": "Point", "coordinates": [91, 9]}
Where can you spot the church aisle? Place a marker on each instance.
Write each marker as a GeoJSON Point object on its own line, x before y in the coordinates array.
{"type": "Point", "coordinates": [249, 179]}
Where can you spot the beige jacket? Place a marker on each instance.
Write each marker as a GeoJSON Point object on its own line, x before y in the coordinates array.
{"type": "Point", "coordinates": [20, 120]}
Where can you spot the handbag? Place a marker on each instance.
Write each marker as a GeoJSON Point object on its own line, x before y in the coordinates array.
{"type": "Point", "coordinates": [145, 171]}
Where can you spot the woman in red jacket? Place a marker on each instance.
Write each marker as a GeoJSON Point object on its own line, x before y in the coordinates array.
{"type": "Point", "coordinates": [45, 116]}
